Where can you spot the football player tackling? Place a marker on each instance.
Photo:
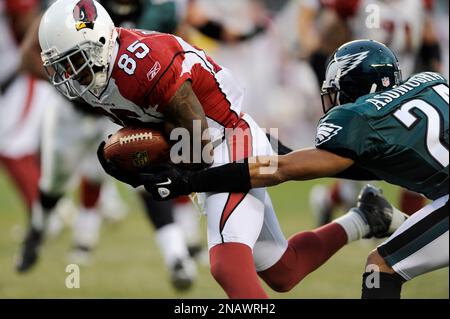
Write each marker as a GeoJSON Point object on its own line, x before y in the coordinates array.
{"type": "Point", "coordinates": [375, 128]}
{"type": "Point", "coordinates": [141, 78]}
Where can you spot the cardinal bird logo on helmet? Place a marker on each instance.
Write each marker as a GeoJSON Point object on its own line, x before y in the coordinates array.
{"type": "Point", "coordinates": [85, 14]}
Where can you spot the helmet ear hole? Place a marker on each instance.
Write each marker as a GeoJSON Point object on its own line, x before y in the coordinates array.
{"type": "Point", "coordinates": [102, 40]}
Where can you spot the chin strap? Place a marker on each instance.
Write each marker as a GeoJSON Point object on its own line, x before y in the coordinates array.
{"type": "Point", "coordinates": [101, 77]}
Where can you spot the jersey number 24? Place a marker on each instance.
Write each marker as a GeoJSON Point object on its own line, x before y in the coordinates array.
{"type": "Point", "coordinates": [435, 121]}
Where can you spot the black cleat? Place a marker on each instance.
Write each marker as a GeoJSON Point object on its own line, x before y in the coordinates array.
{"type": "Point", "coordinates": [375, 210]}
{"type": "Point", "coordinates": [30, 250]}
{"type": "Point", "coordinates": [183, 274]}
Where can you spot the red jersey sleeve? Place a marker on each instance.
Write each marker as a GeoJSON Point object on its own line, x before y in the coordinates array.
{"type": "Point", "coordinates": [172, 77]}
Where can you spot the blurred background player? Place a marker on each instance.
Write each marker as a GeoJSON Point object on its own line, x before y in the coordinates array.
{"type": "Point", "coordinates": [23, 98]}
{"type": "Point", "coordinates": [66, 136]}
{"type": "Point", "coordinates": [24, 102]}
{"type": "Point", "coordinates": [21, 102]}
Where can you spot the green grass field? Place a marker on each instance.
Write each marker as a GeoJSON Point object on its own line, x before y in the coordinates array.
{"type": "Point", "coordinates": [128, 265]}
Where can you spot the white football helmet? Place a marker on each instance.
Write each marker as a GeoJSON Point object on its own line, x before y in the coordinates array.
{"type": "Point", "coordinates": [77, 38]}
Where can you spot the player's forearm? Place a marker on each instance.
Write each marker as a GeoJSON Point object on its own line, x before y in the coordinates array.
{"type": "Point", "coordinates": [185, 111]}
{"type": "Point", "coordinates": [273, 170]}
{"type": "Point", "coordinates": [265, 171]}
{"type": "Point", "coordinates": [237, 177]}
{"type": "Point", "coordinates": [255, 172]}
{"type": "Point", "coordinates": [311, 163]}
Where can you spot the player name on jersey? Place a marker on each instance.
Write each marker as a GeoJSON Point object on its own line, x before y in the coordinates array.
{"type": "Point", "coordinates": [383, 99]}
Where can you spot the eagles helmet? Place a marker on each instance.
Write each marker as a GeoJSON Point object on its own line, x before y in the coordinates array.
{"type": "Point", "coordinates": [358, 68]}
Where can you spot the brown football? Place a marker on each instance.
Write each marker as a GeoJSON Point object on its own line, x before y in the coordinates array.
{"type": "Point", "coordinates": [133, 148]}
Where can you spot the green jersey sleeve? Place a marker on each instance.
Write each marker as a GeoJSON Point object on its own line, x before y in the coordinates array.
{"type": "Point", "coordinates": [159, 16]}
{"type": "Point", "coordinates": [348, 134]}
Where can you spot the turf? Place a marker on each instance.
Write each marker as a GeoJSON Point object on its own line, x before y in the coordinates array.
{"type": "Point", "coordinates": [127, 263]}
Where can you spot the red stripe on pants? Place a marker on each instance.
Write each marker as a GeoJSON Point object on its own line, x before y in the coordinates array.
{"type": "Point", "coordinates": [90, 193]}
{"type": "Point", "coordinates": [239, 147]}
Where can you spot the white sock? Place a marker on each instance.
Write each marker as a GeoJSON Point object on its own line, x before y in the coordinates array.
{"type": "Point", "coordinates": [171, 243]}
{"type": "Point", "coordinates": [187, 218]}
{"type": "Point", "coordinates": [86, 229]}
{"type": "Point", "coordinates": [398, 218]}
{"type": "Point", "coordinates": [354, 225]}
{"type": "Point", "coordinates": [38, 216]}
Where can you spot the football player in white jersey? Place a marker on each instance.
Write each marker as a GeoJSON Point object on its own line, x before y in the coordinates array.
{"type": "Point", "coordinates": [66, 136]}
{"type": "Point", "coordinates": [22, 99]}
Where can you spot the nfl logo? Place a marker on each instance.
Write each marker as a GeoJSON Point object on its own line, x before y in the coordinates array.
{"type": "Point", "coordinates": [140, 159]}
{"type": "Point", "coordinates": [386, 82]}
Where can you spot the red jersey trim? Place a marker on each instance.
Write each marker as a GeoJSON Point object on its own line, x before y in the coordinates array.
{"type": "Point", "coordinates": [234, 199]}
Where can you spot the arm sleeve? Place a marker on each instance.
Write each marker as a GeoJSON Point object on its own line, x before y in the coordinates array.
{"type": "Point", "coordinates": [228, 178]}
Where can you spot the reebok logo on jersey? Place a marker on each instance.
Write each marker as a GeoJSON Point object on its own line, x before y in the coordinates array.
{"type": "Point", "coordinates": [325, 132]}
{"type": "Point", "coordinates": [348, 62]}
{"type": "Point", "coordinates": [154, 71]}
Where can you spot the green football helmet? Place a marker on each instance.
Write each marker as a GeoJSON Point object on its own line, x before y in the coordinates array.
{"type": "Point", "coordinates": [358, 68]}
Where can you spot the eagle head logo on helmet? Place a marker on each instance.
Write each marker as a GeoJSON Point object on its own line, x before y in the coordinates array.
{"type": "Point", "coordinates": [85, 14]}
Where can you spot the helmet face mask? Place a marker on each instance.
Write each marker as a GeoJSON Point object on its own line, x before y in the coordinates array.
{"type": "Point", "coordinates": [73, 73]}
{"type": "Point", "coordinates": [330, 98]}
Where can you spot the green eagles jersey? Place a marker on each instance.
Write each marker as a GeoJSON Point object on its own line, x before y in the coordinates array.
{"type": "Point", "coordinates": [399, 135]}
{"type": "Point", "coordinates": [162, 15]}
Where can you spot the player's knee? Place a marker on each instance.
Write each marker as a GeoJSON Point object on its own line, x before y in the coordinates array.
{"type": "Point", "coordinates": [216, 271]}
{"type": "Point", "coordinates": [220, 272]}
{"type": "Point", "coordinates": [281, 284]}
{"type": "Point", "coordinates": [280, 277]}
{"type": "Point", "coordinates": [376, 260]}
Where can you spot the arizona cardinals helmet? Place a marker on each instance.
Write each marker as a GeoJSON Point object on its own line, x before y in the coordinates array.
{"type": "Point", "coordinates": [77, 39]}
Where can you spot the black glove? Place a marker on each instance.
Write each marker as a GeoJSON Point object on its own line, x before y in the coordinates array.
{"type": "Point", "coordinates": [111, 169]}
{"type": "Point", "coordinates": [166, 182]}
